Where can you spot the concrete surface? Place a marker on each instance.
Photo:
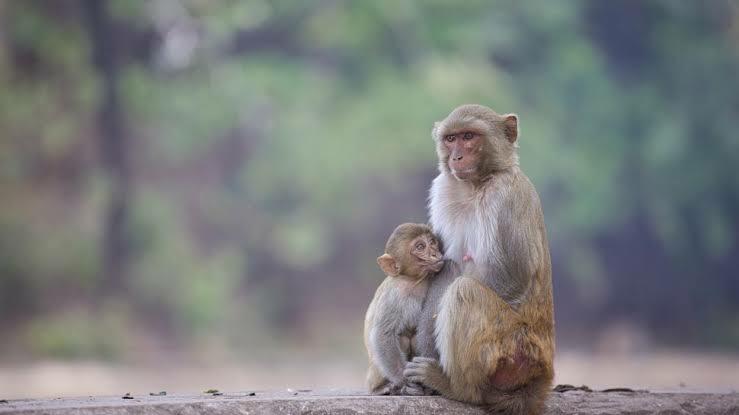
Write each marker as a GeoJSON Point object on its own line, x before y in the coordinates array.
{"type": "Point", "coordinates": [354, 402]}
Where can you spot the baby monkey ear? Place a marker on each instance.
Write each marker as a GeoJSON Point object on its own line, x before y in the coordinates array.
{"type": "Point", "coordinates": [510, 127]}
{"type": "Point", "coordinates": [388, 265]}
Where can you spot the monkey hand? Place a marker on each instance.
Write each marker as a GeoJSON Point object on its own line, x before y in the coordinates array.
{"type": "Point", "coordinates": [413, 389]}
{"type": "Point", "coordinates": [426, 371]}
{"type": "Point", "coordinates": [390, 389]}
{"type": "Point", "coordinates": [467, 257]}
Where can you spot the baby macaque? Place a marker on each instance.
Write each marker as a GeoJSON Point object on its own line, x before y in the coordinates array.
{"type": "Point", "coordinates": [412, 254]}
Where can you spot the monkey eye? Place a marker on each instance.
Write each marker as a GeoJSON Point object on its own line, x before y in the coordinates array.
{"type": "Point", "coordinates": [467, 136]}
{"type": "Point", "coordinates": [450, 138]}
{"type": "Point", "coordinates": [420, 246]}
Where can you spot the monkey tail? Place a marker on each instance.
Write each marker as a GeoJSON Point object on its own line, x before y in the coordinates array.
{"type": "Point", "coordinates": [529, 399]}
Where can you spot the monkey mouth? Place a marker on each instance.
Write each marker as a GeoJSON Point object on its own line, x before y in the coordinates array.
{"type": "Point", "coordinates": [463, 173]}
{"type": "Point", "coordinates": [462, 167]}
{"type": "Point", "coordinates": [436, 266]}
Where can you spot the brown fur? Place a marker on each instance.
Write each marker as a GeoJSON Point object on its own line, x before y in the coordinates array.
{"type": "Point", "coordinates": [489, 321]}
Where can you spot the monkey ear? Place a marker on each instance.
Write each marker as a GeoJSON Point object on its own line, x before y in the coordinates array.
{"type": "Point", "coordinates": [388, 265]}
{"type": "Point", "coordinates": [510, 127]}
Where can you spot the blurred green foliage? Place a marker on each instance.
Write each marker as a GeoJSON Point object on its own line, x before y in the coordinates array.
{"type": "Point", "coordinates": [274, 145]}
{"type": "Point", "coordinates": [78, 333]}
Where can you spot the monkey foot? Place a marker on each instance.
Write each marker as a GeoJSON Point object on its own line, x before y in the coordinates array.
{"type": "Point", "coordinates": [413, 389]}
{"type": "Point", "coordinates": [388, 389]}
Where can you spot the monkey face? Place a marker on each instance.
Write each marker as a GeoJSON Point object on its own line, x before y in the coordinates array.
{"type": "Point", "coordinates": [465, 151]}
{"type": "Point", "coordinates": [413, 251]}
{"type": "Point", "coordinates": [473, 141]}
{"type": "Point", "coordinates": [425, 254]}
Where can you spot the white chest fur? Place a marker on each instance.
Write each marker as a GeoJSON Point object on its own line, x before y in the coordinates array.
{"type": "Point", "coordinates": [465, 218]}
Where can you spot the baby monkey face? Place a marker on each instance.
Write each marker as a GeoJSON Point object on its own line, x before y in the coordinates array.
{"type": "Point", "coordinates": [412, 251]}
{"type": "Point", "coordinates": [425, 252]}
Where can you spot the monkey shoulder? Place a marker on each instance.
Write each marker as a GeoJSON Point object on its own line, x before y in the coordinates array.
{"type": "Point", "coordinates": [510, 185]}
{"type": "Point", "coordinates": [397, 304]}
{"type": "Point", "coordinates": [525, 189]}
{"type": "Point", "coordinates": [517, 197]}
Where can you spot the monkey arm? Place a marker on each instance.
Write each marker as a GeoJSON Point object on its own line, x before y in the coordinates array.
{"type": "Point", "coordinates": [504, 276]}
{"type": "Point", "coordinates": [510, 269]}
{"type": "Point", "coordinates": [387, 353]}
{"type": "Point", "coordinates": [385, 332]}
{"type": "Point", "coordinates": [425, 341]}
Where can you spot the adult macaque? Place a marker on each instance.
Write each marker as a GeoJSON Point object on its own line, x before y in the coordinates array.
{"type": "Point", "coordinates": [412, 253]}
{"type": "Point", "coordinates": [486, 334]}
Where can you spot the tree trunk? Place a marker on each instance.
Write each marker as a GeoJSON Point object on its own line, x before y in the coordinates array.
{"type": "Point", "coordinates": [113, 148]}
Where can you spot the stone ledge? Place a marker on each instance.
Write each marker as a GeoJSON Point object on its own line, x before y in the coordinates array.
{"type": "Point", "coordinates": [353, 402]}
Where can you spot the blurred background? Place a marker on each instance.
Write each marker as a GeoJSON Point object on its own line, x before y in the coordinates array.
{"type": "Point", "coordinates": [193, 193]}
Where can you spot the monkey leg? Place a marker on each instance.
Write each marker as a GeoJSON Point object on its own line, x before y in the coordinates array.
{"type": "Point", "coordinates": [487, 355]}
{"type": "Point", "coordinates": [470, 323]}
{"type": "Point", "coordinates": [376, 382]}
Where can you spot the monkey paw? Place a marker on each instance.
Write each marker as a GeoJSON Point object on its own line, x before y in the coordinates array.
{"type": "Point", "coordinates": [413, 389]}
{"type": "Point", "coordinates": [422, 370]}
{"type": "Point", "coordinates": [388, 389]}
